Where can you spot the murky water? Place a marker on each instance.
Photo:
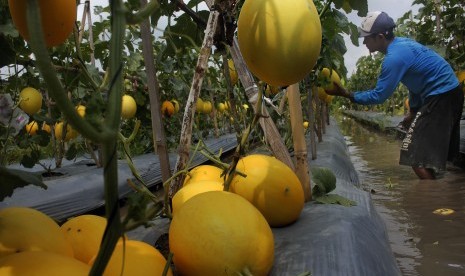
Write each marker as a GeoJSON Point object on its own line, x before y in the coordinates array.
{"type": "Point", "coordinates": [423, 242]}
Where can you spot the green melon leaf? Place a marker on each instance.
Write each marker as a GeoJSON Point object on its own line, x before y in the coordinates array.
{"type": "Point", "coordinates": [11, 179]}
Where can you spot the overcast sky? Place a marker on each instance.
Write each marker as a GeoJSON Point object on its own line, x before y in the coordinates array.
{"type": "Point", "coordinates": [395, 8]}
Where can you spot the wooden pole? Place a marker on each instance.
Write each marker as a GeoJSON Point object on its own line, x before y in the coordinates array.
{"type": "Point", "coordinates": [154, 96]}
{"type": "Point", "coordinates": [317, 117]}
{"type": "Point", "coordinates": [83, 23]}
{"type": "Point", "coordinates": [189, 112]}
{"type": "Point", "coordinates": [323, 116]}
{"type": "Point", "coordinates": [327, 114]}
{"type": "Point", "coordinates": [311, 120]}
{"type": "Point", "coordinates": [298, 137]}
{"type": "Point", "coordinates": [91, 34]}
{"type": "Point", "coordinates": [214, 113]}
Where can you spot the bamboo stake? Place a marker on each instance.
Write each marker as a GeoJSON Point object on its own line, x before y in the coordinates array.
{"type": "Point", "coordinates": [91, 35]}
{"type": "Point", "coordinates": [282, 103]}
{"type": "Point", "coordinates": [214, 113]}
{"type": "Point", "coordinates": [87, 17]}
{"type": "Point", "coordinates": [272, 135]}
{"type": "Point", "coordinates": [311, 119]}
{"type": "Point", "coordinates": [92, 61]}
{"type": "Point", "coordinates": [83, 24]}
{"type": "Point", "coordinates": [298, 137]}
{"type": "Point", "coordinates": [188, 118]}
{"type": "Point", "coordinates": [154, 95]}
{"type": "Point", "coordinates": [327, 114]}
{"type": "Point", "coordinates": [318, 117]}
{"type": "Point", "coordinates": [323, 116]}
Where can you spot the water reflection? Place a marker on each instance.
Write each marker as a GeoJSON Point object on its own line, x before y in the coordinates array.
{"type": "Point", "coordinates": [424, 243]}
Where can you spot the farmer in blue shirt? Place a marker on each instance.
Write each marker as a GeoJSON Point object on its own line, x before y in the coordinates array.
{"type": "Point", "coordinates": [435, 97]}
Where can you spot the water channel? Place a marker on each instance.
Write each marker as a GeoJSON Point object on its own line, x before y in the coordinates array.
{"type": "Point", "coordinates": [424, 243]}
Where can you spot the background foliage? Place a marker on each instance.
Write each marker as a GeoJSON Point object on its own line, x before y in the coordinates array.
{"type": "Point", "coordinates": [178, 29]}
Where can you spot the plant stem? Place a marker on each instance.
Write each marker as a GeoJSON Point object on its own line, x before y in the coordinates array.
{"type": "Point", "coordinates": [114, 227]}
{"type": "Point", "coordinates": [245, 136]}
{"type": "Point", "coordinates": [118, 26]}
{"type": "Point", "coordinates": [325, 8]}
{"type": "Point", "coordinates": [215, 159]}
{"type": "Point", "coordinates": [150, 213]}
{"type": "Point", "coordinates": [144, 13]}
{"type": "Point", "coordinates": [127, 153]}
{"type": "Point", "coordinates": [168, 263]}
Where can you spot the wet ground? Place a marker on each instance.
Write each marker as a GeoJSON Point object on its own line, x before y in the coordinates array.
{"type": "Point", "coordinates": [424, 243]}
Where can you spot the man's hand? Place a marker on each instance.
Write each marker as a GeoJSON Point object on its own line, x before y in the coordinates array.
{"type": "Point", "coordinates": [340, 91]}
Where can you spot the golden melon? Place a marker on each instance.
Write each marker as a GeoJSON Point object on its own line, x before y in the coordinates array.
{"type": "Point", "coordinates": [36, 263]}
{"type": "Point", "coordinates": [232, 72]}
{"type": "Point", "coordinates": [279, 40]}
{"type": "Point", "coordinates": [194, 188]}
{"type": "Point", "coordinates": [128, 107]}
{"type": "Point", "coordinates": [57, 17]}
{"type": "Point", "coordinates": [204, 172]}
{"type": "Point", "coordinates": [271, 186]}
{"type": "Point", "coordinates": [329, 78]}
{"type": "Point", "coordinates": [32, 128]}
{"type": "Point", "coordinates": [167, 108]}
{"type": "Point", "coordinates": [135, 258]}
{"type": "Point", "coordinates": [30, 100]}
{"type": "Point", "coordinates": [84, 233]}
{"type": "Point", "coordinates": [221, 233]}
{"type": "Point", "coordinates": [27, 229]}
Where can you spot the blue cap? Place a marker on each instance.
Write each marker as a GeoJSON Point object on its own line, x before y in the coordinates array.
{"type": "Point", "coordinates": [375, 23]}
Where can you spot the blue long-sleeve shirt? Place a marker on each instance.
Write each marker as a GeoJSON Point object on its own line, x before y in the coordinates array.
{"type": "Point", "coordinates": [419, 68]}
